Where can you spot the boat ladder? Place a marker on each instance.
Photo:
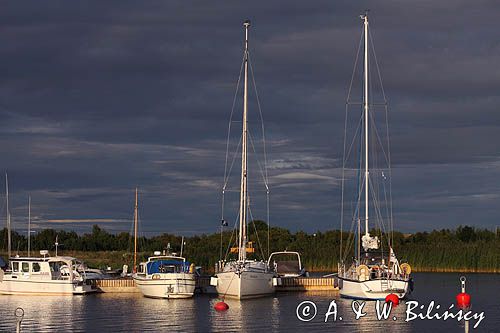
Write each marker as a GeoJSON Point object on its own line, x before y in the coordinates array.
{"type": "Point", "coordinates": [384, 284]}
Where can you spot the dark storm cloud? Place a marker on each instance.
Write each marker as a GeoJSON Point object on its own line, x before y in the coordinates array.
{"type": "Point", "coordinates": [99, 97]}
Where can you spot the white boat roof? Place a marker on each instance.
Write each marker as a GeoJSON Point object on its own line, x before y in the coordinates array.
{"type": "Point", "coordinates": [58, 258]}
{"type": "Point", "coordinates": [166, 257]}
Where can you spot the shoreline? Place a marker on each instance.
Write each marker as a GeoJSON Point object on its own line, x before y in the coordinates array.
{"type": "Point", "coordinates": [427, 270]}
{"type": "Point", "coordinates": [115, 259]}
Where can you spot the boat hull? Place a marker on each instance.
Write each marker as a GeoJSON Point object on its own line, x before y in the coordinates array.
{"type": "Point", "coordinates": [50, 287]}
{"type": "Point", "coordinates": [372, 289]}
{"type": "Point", "coordinates": [245, 284]}
{"type": "Point", "coordinates": [169, 285]}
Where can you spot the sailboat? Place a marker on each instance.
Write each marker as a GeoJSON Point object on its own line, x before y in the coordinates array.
{"type": "Point", "coordinates": [375, 271]}
{"type": "Point", "coordinates": [162, 276]}
{"type": "Point", "coordinates": [243, 278]}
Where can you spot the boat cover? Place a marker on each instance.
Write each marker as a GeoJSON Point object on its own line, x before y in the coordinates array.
{"type": "Point", "coordinates": [289, 266]}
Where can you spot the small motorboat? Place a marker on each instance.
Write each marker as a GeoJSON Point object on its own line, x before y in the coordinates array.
{"type": "Point", "coordinates": [46, 275]}
{"type": "Point", "coordinates": [166, 276]}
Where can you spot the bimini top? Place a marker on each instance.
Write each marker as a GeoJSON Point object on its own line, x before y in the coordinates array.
{"type": "Point", "coordinates": [168, 266]}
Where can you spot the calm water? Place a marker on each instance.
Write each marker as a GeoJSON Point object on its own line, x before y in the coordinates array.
{"type": "Point", "coordinates": [133, 313]}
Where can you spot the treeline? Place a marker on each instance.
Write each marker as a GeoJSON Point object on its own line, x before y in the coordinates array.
{"type": "Point", "coordinates": [463, 249]}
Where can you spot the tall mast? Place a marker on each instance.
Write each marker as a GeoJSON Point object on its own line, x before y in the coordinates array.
{"type": "Point", "coordinates": [9, 240]}
{"type": "Point", "coordinates": [29, 225]}
{"type": "Point", "coordinates": [136, 215]}
{"type": "Point", "coordinates": [366, 120]}
{"type": "Point", "coordinates": [242, 254]}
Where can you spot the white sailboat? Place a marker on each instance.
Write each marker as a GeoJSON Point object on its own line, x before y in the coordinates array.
{"type": "Point", "coordinates": [41, 275]}
{"type": "Point", "coordinates": [162, 276]}
{"type": "Point", "coordinates": [375, 271]}
{"type": "Point", "coordinates": [243, 278]}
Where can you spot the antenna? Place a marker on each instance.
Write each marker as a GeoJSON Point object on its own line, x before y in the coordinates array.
{"type": "Point", "coordinates": [182, 245]}
{"type": "Point", "coordinates": [9, 236]}
{"type": "Point", "coordinates": [136, 217]}
{"type": "Point", "coordinates": [29, 225]}
{"type": "Point", "coordinates": [57, 243]}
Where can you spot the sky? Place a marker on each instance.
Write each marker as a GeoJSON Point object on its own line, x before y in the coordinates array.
{"type": "Point", "coordinates": [100, 97]}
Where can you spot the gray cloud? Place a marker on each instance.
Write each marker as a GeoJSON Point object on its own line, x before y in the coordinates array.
{"type": "Point", "coordinates": [100, 97]}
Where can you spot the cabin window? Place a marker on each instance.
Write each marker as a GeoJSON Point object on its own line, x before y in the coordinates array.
{"type": "Point", "coordinates": [54, 267]}
{"type": "Point", "coordinates": [26, 267]}
{"type": "Point", "coordinates": [15, 267]}
{"type": "Point", "coordinates": [36, 267]}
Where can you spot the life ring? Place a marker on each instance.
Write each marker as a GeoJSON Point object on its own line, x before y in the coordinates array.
{"type": "Point", "coordinates": [362, 270]}
{"type": "Point", "coordinates": [405, 268]}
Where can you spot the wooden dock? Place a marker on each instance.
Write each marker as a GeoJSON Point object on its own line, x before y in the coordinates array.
{"type": "Point", "coordinates": [203, 285]}
{"type": "Point", "coordinates": [115, 285]}
{"type": "Point", "coordinates": [308, 284]}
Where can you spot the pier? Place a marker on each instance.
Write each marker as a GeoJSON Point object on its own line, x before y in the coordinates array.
{"type": "Point", "coordinates": [203, 285]}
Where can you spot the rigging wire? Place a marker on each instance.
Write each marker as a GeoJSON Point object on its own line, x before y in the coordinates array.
{"type": "Point", "coordinates": [345, 141]}
{"type": "Point", "coordinates": [265, 153]}
{"type": "Point", "coordinates": [391, 219]}
{"type": "Point", "coordinates": [227, 151]}
{"type": "Point", "coordinates": [379, 189]}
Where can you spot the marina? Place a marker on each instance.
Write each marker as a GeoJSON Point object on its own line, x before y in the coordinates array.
{"type": "Point", "coordinates": [249, 167]}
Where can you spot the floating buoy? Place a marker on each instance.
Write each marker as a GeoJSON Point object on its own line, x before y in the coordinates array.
{"type": "Point", "coordinates": [221, 306]}
{"type": "Point", "coordinates": [463, 299]}
{"type": "Point", "coordinates": [392, 298]}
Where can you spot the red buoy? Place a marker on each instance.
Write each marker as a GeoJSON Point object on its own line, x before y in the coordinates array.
{"type": "Point", "coordinates": [393, 298]}
{"type": "Point", "coordinates": [221, 306]}
{"type": "Point", "coordinates": [463, 300]}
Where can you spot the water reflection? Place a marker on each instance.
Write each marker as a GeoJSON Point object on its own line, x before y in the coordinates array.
{"type": "Point", "coordinates": [248, 315]}
{"type": "Point", "coordinates": [134, 313]}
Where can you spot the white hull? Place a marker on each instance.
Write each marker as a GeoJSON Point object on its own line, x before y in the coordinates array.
{"type": "Point", "coordinates": [246, 284]}
{"type": "Point", "coordinates": [372, 289]}
{"type": "Point", "coordinates": [169, 285]}
{"type": "Point", "coordinates": [48, 287]}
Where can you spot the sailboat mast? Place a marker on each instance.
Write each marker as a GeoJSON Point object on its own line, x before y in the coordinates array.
{"type": "Point", "coordinates": [29, 225]}
{"type": "Point", "coordinates": [366, 120]}
{"type": "Point", "coordinates": [136, 215]}
{"type": "Point", "coordinates": [242, 254]}
{"type": "Point", "coordinates": [9, 239]}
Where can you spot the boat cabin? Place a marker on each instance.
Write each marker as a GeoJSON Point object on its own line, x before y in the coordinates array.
{"type": "Point", "coordinates": [47, 268]}
{"type": "Point", "coordinates": [164, 265]}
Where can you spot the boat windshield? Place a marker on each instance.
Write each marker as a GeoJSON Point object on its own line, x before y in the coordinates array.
{"type": "Point", "coordinates": [285, 262]}
{"type": "Point", "coordinates": [373, 258]}
{"type": "Point", "coordinates": [167, 266]}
